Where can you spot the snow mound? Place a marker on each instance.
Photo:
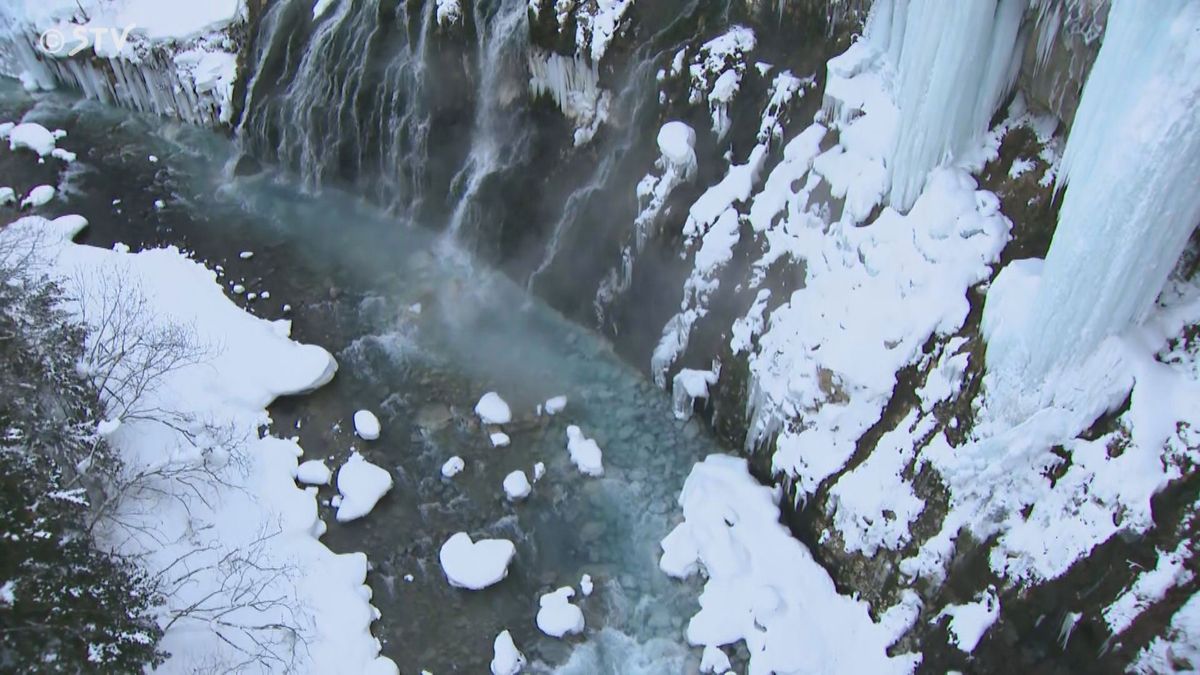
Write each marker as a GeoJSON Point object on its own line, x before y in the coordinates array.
{"type": "Point", "coordinates": [677, 142]}
{"type": "Point", "coordinates": [366, 425]}
{"type": "Point", "coordinates": [475, 565]}
{"type": "Point", "coordinates": [362, 485]}
{"type": "Point", "coordinates": [555, 405]}
{"type": "Point", "coordinates": [763, 586]}
{"type": "Point", "coordinates": [585, 453]}
{"type": "Point", "coordinates": [499, 439]}
{"type": "Point", "coordinates": [506, 659]}
{"type": "Point", "coordinates": [313, 472]}
{"type": "Point", "coordinates": [453, 467]}
{"type": "Point", "coordinates": [516, 486]}
{"type": "Point", "coordinates": [585, 585]}
{"type": "Point", "coordinates": [38, 196]}
{"type": "Point", "coordinates": [557, 616]}
{"type": "Point", "coordinates": [968, 622]}
{"type": "Point", "coordinates": [31, 136]}
{"type": "Point", "coordinates": [493, 410]}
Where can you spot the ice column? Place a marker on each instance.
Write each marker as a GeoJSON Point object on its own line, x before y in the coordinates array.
{"type": "Point", "coordinates": [1132, 174]}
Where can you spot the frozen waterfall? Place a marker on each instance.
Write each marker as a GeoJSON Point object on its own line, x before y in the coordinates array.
{"type": "Point", "coordinates": [1132, 174]}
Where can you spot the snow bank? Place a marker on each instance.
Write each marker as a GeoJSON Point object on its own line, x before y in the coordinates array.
{"type": "Point", "coordinates": [506, 659]}
{"type": "Point", "coordinates": [556, 615]}
{"type": "Point", "coordinates": [585, 453]}
{"type": "Point", "coordinates": [516, 486]}
{"type": "Point", "coordinates": [256, 511]}
{"type": "Point", "coordinates": [475, 565]}
{"type": "Point", "coordinates": [492, 409]}
{"type": "Point", "coordinates": [362, 485]}
{"type": "Point", "coordinates": [763, 586]}
{"type": "Point", "coordinates": [366, 425]}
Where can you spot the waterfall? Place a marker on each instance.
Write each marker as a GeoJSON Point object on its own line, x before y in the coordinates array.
{"type": "Point", "coordinates": [343, 95]}
{"type": "Point", "coordinates": [1132, 198]}
{"type": "Point", "coordinates": [498, 137]}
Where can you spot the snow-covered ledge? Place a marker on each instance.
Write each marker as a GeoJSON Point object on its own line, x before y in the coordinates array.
{"type": "Point", "coordinates": [171, 58]}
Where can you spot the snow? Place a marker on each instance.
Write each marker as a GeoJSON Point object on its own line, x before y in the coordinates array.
{"type": "Point", "coordinates": [1123, 223]}
{"type": "Point", "coordinates": [31, 136]}
{"type": "Point", "coordinates": [362, 485]}
{"type": "Point", "coordinates": [366, 425]}
{"type": "Point", "coordinates": [475, 565]}
{"type": "Point", "coordinates": [714, 660]}
{"type": "Point", "coordinates": [313, 472]}
{"type": "Point", "coordinates": [1179, 645]}
{"type": "Point", "coordinates": [539, 470]}
{"type": "Point", "coordinates": [38, 196]}
{"type": "Point", "coordinates": [555, 405]}
{"type": "Point", "coordinates": [256, 509]}
{"type": "Point", "coordinates": [688, 386]}
{"type": "Point", "coordinates": [516, 486]}
{"type": "Point", "coordinates": [453, 467]}
{"type": "Point", "coordinates": [492, 409]}
{"type": "Point", "coordinates": [499, 439]}
{"type": "Point", "coordinates": [448, 12]}
{"type": "Point", "coordinates": [506, 659]}
{"type": "Point", "coordinates": [585, 453]}
{"type": "Point", "coordinates": [1149, 587]}
{"type": "Point", "coordinates": [716, 74]}
{"type": "Point", "coordinates": [596, 24]}
{"type": "Point", "coordinates": [969, 622]}
{"type": "Point", "coordinates": [149, 17]}
{"type": "Point", "coordinates": [763, 586]}
{"type": "Point", "coordinates": [7, 196]}
{"type": "Point", "coordinates": [585, 585]}
{"type": "Point", "coordinates": [677, 143]}
{"type": "Point", "coordinates": [107, 427]}
{"type": "Point", "coordinates": [556, 615]}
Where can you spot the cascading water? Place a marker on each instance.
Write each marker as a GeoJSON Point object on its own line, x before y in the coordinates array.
{"type": "Point", "coordinates": [497, 139]}
{"type": "Point", "coordinates": [353, 102]}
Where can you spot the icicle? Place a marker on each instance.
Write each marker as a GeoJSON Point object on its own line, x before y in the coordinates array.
{"type": "Point", "coordinates": [1132, 197]}
{"type": "Point", "coordinates": [954, 64]}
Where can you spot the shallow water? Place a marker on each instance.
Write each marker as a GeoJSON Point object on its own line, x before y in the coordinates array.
{"type": "Point", "coordinates": [421, 332]}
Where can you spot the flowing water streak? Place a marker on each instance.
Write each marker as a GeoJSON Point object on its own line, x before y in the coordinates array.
{"type": "Point", "coordinates": [337, 116]}
{"type": "Point", "coordinates": [497, 143]}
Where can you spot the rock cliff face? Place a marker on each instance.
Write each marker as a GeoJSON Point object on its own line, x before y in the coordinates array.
{"type": "Point", "coordinates": [704, 183]}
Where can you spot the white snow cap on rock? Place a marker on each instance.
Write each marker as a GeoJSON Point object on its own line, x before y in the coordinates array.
{"type": "Point", "coordinates": [499, 439]}
{"type": "Point", "coordinates": [38, 196]}
{"type": "Point", "coordinates": [7, 196]}
{"type": "Point", "coordinates": [585, 453]}
{"type": "Point", "coordinates": [506, 659]}
{"type": "Point", "coordinates": [313, 472]}
{"type": "Point", "coordinates": [585, 585]}
{"type": "Point", "coordinates": [677, 142]}
{"type": "Point", "coordinates": [516, 486]}
{"type": "Point", "coordinates": [493, 410]}
{"type": "Point", "coordinates": [453, 466]}
{"type": "Point", "coordinates": [362, 484]}
{"type": "Point", "coordinates": [555, 405]}
{"type": "Point", "coordinates": [475, 565]}
{"type": "Point", "coordinates": [31, 136]}
{"type": "Point", "coordinates": [366, 425]}
{"type": "Point", "coordinates": [557, 616]}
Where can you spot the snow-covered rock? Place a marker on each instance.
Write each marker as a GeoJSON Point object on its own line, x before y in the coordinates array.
{"type": "Point", "coordinates": [499, 439]}
{"type": "Point", "coordinates": [475, 565]}
{"type": "Point", "coordinates": [366, 425]}
{"type": "Point", "coordinates": [7, 196]}
{"type": "Point", "coordinates": [516, 486]}
{"type": "Point", "coordinates": [362, 485]}
{"type": "Point", "coordinates": [555, 405]}
{"type": "Point", "coordinates": [38, 196]}
{"type": "Point", "coordinates": [32, 136]}
{"type": "Point", "coordinates": [453, 467]}
{"type": "Point", "coordinates": [557, 616]}
{"type": "Point", "coordinates": [493, 410]}
{"type": "Point", "coordinates": [506, 658]}
{"type": "Point", "coordinates": [313, 472]}
{"type": "Point", "coordinates": [677, 143]}
{"type": "Point", "coordinates": [585, 585]}
{"type": "Point", "coordinates": [585, 453]}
